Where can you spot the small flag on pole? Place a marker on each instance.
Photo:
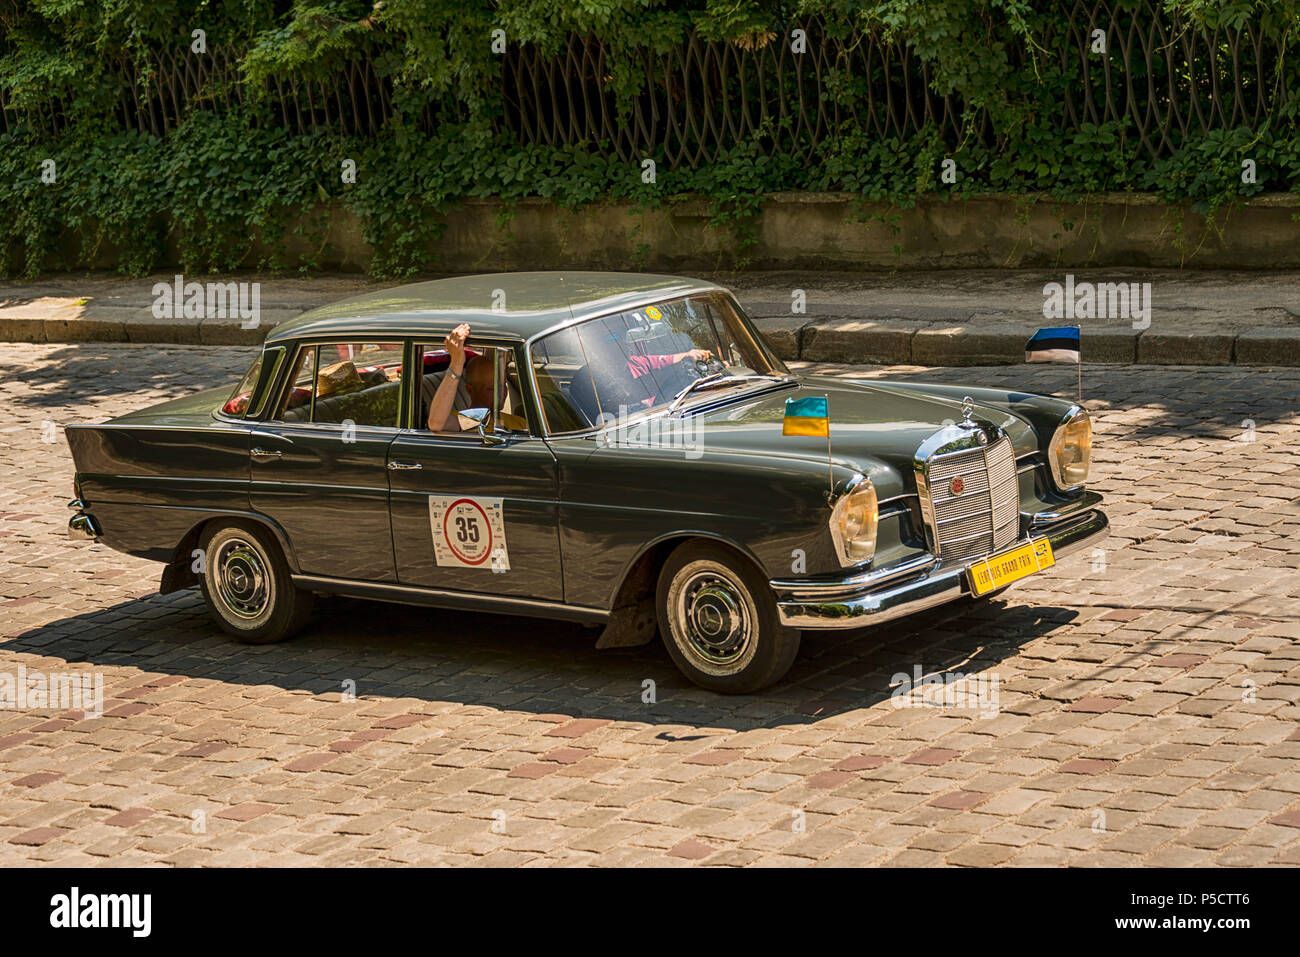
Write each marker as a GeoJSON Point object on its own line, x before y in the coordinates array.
{"type": "Point", "coordinates": [1059, 344]}
{"type": "Point", "coordinates": [806, 417]}
{"type": "Point", "coordinates": [811, 416]}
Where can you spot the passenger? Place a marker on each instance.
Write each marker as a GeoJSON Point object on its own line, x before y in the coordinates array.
{"type": "Point", "coordinates": [467, 385]}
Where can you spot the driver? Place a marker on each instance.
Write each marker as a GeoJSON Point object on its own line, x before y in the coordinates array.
{"type": "Point", "coordinates": [611, 356]}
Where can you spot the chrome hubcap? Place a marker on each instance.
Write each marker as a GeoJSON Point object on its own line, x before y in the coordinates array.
{"type": "Point", "coordinates": [714, 618]}
{"type": "Point", "coordinates": [242, 582]}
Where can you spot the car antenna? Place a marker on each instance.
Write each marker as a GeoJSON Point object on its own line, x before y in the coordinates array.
{"type": "Point", "coordinates": [565, 293]}
{"type": "Point", "coordinates": [830, 463]}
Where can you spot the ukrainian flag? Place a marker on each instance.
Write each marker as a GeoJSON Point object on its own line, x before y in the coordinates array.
{"type": "Point", "coordinates": [806, 417]}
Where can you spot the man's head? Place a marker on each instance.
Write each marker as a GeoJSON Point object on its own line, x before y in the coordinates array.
{"type": "Point", "coordinates": [478, 381]}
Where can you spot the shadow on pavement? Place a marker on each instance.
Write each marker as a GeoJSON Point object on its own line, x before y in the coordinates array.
{"type": "Point", "coordinates": [532, 665]}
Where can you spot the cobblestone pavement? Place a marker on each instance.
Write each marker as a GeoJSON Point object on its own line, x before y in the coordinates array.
{"type": "Point", "coordinates": [1148, 692]}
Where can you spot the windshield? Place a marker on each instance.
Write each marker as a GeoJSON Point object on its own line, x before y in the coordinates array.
{"type": "Point", "coordinates": [641, 360]}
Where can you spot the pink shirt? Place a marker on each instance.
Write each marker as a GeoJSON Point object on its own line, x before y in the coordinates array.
{"type": "Point", "coordinates": [640, 365]}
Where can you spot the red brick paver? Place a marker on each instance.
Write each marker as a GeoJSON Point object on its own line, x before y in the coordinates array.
{"type": "Point", "coordinates": [1154, 680]}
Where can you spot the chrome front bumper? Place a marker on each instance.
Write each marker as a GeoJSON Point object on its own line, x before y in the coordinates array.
{"type": "Point", "coordinates": [869, 598]}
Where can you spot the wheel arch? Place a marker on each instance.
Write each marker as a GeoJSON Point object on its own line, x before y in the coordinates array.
{"type": "Point", "coordinates": [646, 563]}
{"type": "Point", "coordinates": [632, 618]}
{"type": "Point", "coordinates": [178, 572]}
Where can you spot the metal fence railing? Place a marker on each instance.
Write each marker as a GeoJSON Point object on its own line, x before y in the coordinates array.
{"type": "Point", "coordinates": [1165, 79]}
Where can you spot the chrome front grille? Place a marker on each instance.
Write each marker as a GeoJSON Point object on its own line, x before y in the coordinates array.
{"type": "Point", "coordinates": [984, 515]}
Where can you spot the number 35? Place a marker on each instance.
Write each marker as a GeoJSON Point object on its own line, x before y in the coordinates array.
{"type": "Point", "coordinates": [466, 529]}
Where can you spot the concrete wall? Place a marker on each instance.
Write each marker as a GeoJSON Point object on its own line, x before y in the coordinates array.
{"type": "Point", "coordinates": [834, 231]}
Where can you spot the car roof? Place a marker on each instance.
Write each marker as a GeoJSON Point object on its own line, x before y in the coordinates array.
{"type": "Point", "coordinates": [528, 303]}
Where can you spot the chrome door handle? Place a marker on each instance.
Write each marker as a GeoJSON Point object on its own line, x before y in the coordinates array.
{"type": "Point", "coordinates": [265, 453]}
{"type": "Point", "coordinates": [395, 466]}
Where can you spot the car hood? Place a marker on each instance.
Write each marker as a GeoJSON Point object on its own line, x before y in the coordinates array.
{"type": "Point", "coordinates": [875, 427]}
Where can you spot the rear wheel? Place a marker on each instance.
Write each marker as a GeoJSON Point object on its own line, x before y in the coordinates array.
{"type": "Point", "coordinates": [246, 584]}
{"type": "Point", "coordinates": [719, 621]}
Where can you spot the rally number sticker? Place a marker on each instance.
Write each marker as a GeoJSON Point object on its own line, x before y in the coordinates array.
{"type": "Point", "coordinates": [469, 532]}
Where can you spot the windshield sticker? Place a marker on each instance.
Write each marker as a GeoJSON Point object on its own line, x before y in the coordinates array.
{"type": "Point", "coordinates": [653, 313]}
{"type": "Point", "coordinates": [469, 532]}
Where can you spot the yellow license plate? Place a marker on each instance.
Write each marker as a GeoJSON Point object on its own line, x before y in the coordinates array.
{"type": "Point", "coordinates": [1020, 562]}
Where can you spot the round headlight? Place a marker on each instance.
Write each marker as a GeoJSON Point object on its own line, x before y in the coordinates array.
{"type": "Point", "coordinates": [853, 524]}
{"type": "Point", "coordinates": [1070, 452]}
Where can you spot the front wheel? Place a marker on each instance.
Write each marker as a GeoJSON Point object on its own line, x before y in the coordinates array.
{"type": "Point", "coordinates": [246, 584]}
{"type": "Point", "coordinates": [719, 622]}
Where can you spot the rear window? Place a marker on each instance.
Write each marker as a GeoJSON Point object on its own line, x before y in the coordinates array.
{"type": "Point", "coordinates": [237, 404]}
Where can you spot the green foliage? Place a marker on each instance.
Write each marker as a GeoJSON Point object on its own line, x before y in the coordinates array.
{"type": "Point", "coordinates": [228, 185]}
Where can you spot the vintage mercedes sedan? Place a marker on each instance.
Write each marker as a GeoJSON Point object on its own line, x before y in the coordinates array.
{"type": "Point", "coordinates": [621, 450]}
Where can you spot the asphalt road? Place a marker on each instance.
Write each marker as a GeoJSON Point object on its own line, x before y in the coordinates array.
{"type": "Point", "coordinates": [1146, 694]}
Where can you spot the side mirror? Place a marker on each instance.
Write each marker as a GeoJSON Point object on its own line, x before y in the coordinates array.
{"type": "Point", "coordinates": [481, 418]}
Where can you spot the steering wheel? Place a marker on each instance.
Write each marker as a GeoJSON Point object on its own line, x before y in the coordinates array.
{"type": "Point", "coordinates": [703, 366]}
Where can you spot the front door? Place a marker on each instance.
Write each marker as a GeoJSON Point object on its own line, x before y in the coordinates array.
{"type": "Point", "coordinates": [473, 515]}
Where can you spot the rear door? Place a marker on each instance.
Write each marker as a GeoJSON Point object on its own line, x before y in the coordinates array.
{"type": "Point", "coordinates": [319, 463]}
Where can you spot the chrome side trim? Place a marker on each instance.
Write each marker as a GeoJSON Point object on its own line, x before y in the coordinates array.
{"type": "Point", "coordinates": [441, 598]}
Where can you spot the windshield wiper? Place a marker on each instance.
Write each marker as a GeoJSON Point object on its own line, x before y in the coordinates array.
{"type": "Point", "coordinates": [695, 384]}
{"type": "Point", "coordinates": [721, 378]}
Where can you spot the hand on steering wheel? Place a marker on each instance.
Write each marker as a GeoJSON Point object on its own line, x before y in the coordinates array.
{"type": "Point", "coordinates": [703, 361]}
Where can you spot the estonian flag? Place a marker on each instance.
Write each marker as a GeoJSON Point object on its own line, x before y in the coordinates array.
{"type": "Point", "coordinates": [1060, 344]}
{"type": "Point", "coordinates": [806, 417]}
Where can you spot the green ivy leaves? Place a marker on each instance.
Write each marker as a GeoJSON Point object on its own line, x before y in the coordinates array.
{"type": "Point", "coordinates": [229, 187]}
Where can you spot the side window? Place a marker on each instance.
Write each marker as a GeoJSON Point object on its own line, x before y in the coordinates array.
{"type": "Point", "coordinates": [237, 404]}
{"type": "Point", "coordinates": [475, 389]}
{"type": "Point", "coordinates": [258, 379]}
{"type": "Point", "coordinates": [345, 384]}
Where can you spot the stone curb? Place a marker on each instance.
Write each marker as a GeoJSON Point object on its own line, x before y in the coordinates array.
{"type": "Point", "coordinates": [892, 342]}
{"type": "Point", "coordinates": [134, 325]}
{"type": "Point", "coordinates": [883, 341]}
